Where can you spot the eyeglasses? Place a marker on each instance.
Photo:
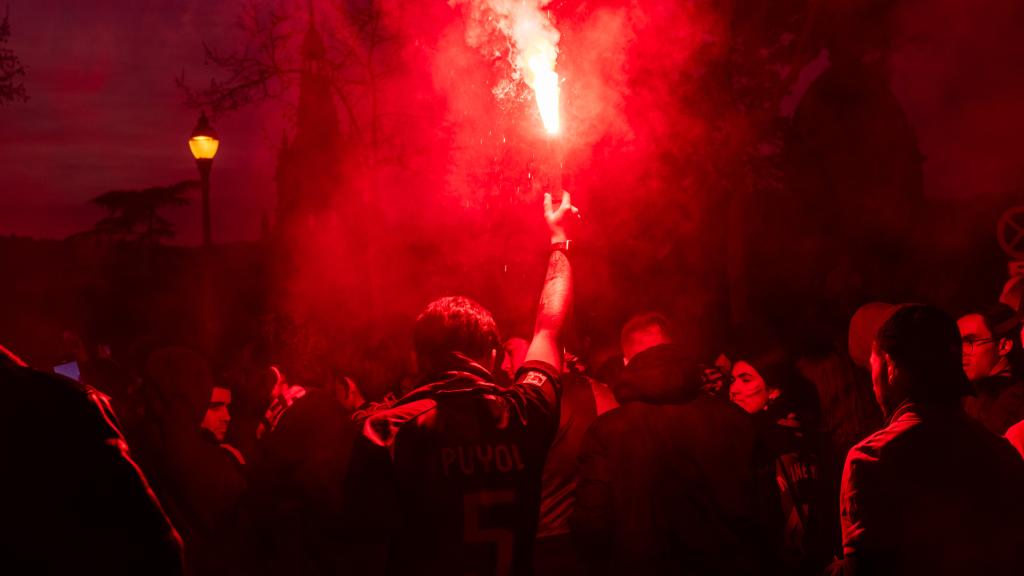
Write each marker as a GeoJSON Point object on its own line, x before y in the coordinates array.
{"type": "Point", "coordinates": [970, 343]}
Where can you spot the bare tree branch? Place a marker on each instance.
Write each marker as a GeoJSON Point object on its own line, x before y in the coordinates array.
{"type": "Point", "coordinates": [269, 64]}
{"type": "Point", "coordinates": [11, 70]}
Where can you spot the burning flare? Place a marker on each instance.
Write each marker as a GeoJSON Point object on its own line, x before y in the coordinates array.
{"type": "Point", "coordinates": [533, 40]}
{"type": "Point", "coordinates": [545, 88]}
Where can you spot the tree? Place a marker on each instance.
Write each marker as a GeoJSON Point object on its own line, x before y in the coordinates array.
{"type": "Point", "coordinates": [133, 215]}
{"type": "Point", "coordinates": [11, 70]}
{"type": "Point", "coordinates": [360, 51]}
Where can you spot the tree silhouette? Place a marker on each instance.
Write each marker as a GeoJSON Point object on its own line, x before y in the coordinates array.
{"type": "Point", "coordinates": [361, 51]}
{"type": "Point", "coordinates": [11, 88]}
{"type": "Point", "coordinates": [133, 215]}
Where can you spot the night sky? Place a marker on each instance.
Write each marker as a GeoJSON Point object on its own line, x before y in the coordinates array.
{"type": "Point", "coordinates": [105, 112]}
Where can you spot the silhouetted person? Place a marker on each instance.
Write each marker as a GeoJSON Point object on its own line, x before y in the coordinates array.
{"type": "Point", "coordinates": [933, 492]}
{"type": "Point", "coordinates": [296, 487]}
{"type": "Point", "coordinates": [671, 481]}
{"type": "Point", "coordinates": [74, 502]}
{"type": "Point", "coordinates": [252, 385]}
{"type": "Point", "coordinates": [992, 361]}
{"type": "Point", "coordinates": [583, 400]}
{"type": "Point", "coordinates": [786, 416]}
{"type": "Point", "coordinates": [446, 479]}
{"type": "Point", "coordinates": [199, 482]}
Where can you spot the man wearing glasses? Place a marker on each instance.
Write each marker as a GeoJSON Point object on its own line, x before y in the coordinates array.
{"type": "Point", "coordinates": [992, 360]}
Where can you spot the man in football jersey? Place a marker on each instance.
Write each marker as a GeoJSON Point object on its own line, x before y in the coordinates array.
{"type": "Point", "coordinates": [446, 479]}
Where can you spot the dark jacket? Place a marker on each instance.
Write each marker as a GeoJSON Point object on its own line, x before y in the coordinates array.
{"type": "Point", "coordinates": [997, 402]}
{"type": "Point", "coordinates": [296, 488]}
{"type": "Point", "coordinates": [199, 483]}
{"type": "Point", "coordinates": [672, 481]}
{"type": "Point", "coordinates": [583, 400]}
{"type": "Point", "coordinates": [74, 502]}
{"type": "Point", "coordinates": [933, 493]}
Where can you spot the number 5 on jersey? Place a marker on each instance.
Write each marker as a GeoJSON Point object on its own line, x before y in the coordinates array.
{"type": "Point", "coordinates": [503, 539]}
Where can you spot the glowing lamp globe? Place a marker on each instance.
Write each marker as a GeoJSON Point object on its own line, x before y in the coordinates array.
{"type": "Point", "coordinates": [204, 142]}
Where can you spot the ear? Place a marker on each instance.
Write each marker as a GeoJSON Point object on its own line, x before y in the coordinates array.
{"type": "Point", "coordinates": [494, 360]}
{"type": "Point", "coordinates": [1005, 346]}
{"type": "Point", "coordinates": [891, 371]}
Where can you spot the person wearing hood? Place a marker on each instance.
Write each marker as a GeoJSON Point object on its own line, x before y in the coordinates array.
{"type": "Point", "coordinates": [785, 410]}
{"type": "Point", "coordinates": [199, 482]}
{"type": "Point", "coordinates": [673, 481]}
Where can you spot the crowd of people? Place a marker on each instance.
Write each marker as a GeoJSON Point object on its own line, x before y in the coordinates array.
{"type": "Point", "coordinates": [903, 456]}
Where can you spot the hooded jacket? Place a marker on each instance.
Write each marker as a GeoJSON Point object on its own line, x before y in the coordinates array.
{"type": "Point", "coordinates": [199, 483]}
{"type": "Point", "coordinates": [669, 481]}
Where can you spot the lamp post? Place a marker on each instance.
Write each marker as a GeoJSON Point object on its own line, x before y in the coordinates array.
{"type": "Point", "coordinates": [203, 144]}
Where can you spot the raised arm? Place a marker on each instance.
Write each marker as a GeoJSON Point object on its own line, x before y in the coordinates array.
{"type": "Point", "coordinates": [556, 296]}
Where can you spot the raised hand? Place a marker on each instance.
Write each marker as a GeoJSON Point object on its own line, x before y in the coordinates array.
{"type": "Point", "coordinates": [560, 217]}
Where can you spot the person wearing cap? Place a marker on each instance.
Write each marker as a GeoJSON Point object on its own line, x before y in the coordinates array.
{"type": "Point", "coordinates": [992, 360]}
{"type": "Point", "coordinates": [933, 492]}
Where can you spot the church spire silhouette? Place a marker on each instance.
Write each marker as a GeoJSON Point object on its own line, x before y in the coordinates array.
{"type": "Point", "coordinates": [309, 166]}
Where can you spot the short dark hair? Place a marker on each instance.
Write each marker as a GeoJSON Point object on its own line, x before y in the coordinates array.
{"type": "Point", "coordinates": [647, 320]}
{"type": "Point", "coordinates": [454, 324]}
{"type": "Point", "coordinates": [925, 342]}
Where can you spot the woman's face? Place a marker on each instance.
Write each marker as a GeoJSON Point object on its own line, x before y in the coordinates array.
{"type": "Point", "coordinates": [748, 390]}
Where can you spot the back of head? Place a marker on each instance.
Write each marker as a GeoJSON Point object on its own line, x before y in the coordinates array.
{"type": "Point", "coordinates": [644, 331]}
{"type": "Point", "coordinates": [451, 325]}
{"type": "Point", "coordinates": [660, 374]}
{"type": "Point", "coordinates": [924, 343]}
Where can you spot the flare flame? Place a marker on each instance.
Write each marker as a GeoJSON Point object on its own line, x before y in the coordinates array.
{"type": "Point", "coordinates": [533, 42]}
{"type": "Point", "coordinates": [545, 88]}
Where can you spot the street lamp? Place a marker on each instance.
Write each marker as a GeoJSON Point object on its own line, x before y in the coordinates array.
{"type": "Point", "coordinates": [203, 144]}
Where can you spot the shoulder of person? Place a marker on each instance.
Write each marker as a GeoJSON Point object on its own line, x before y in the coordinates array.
{"type": "Point", "coordinates": [882, 444]}
{"type": "Point", "coordinates": [80, 407]}
{"type": "Point", "coordinates": [604, 398]}
{"type": "Point", "coordinates": [619, 421]}
{"type": "Point", "coordinates": [537, 373]}
{"type": "Point", "coordinates": [1016, 389]}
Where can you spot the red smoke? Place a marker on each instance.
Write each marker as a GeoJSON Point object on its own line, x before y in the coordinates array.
{"type": "Point", "coordinates": [453, 202]}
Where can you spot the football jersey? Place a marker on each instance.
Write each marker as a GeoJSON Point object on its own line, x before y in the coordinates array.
{"type": "Point", "coordinates": [446, 480]}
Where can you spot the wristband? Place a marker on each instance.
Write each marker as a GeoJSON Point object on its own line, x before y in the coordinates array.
{"type": "Point", "coordinates": [562, 247]}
